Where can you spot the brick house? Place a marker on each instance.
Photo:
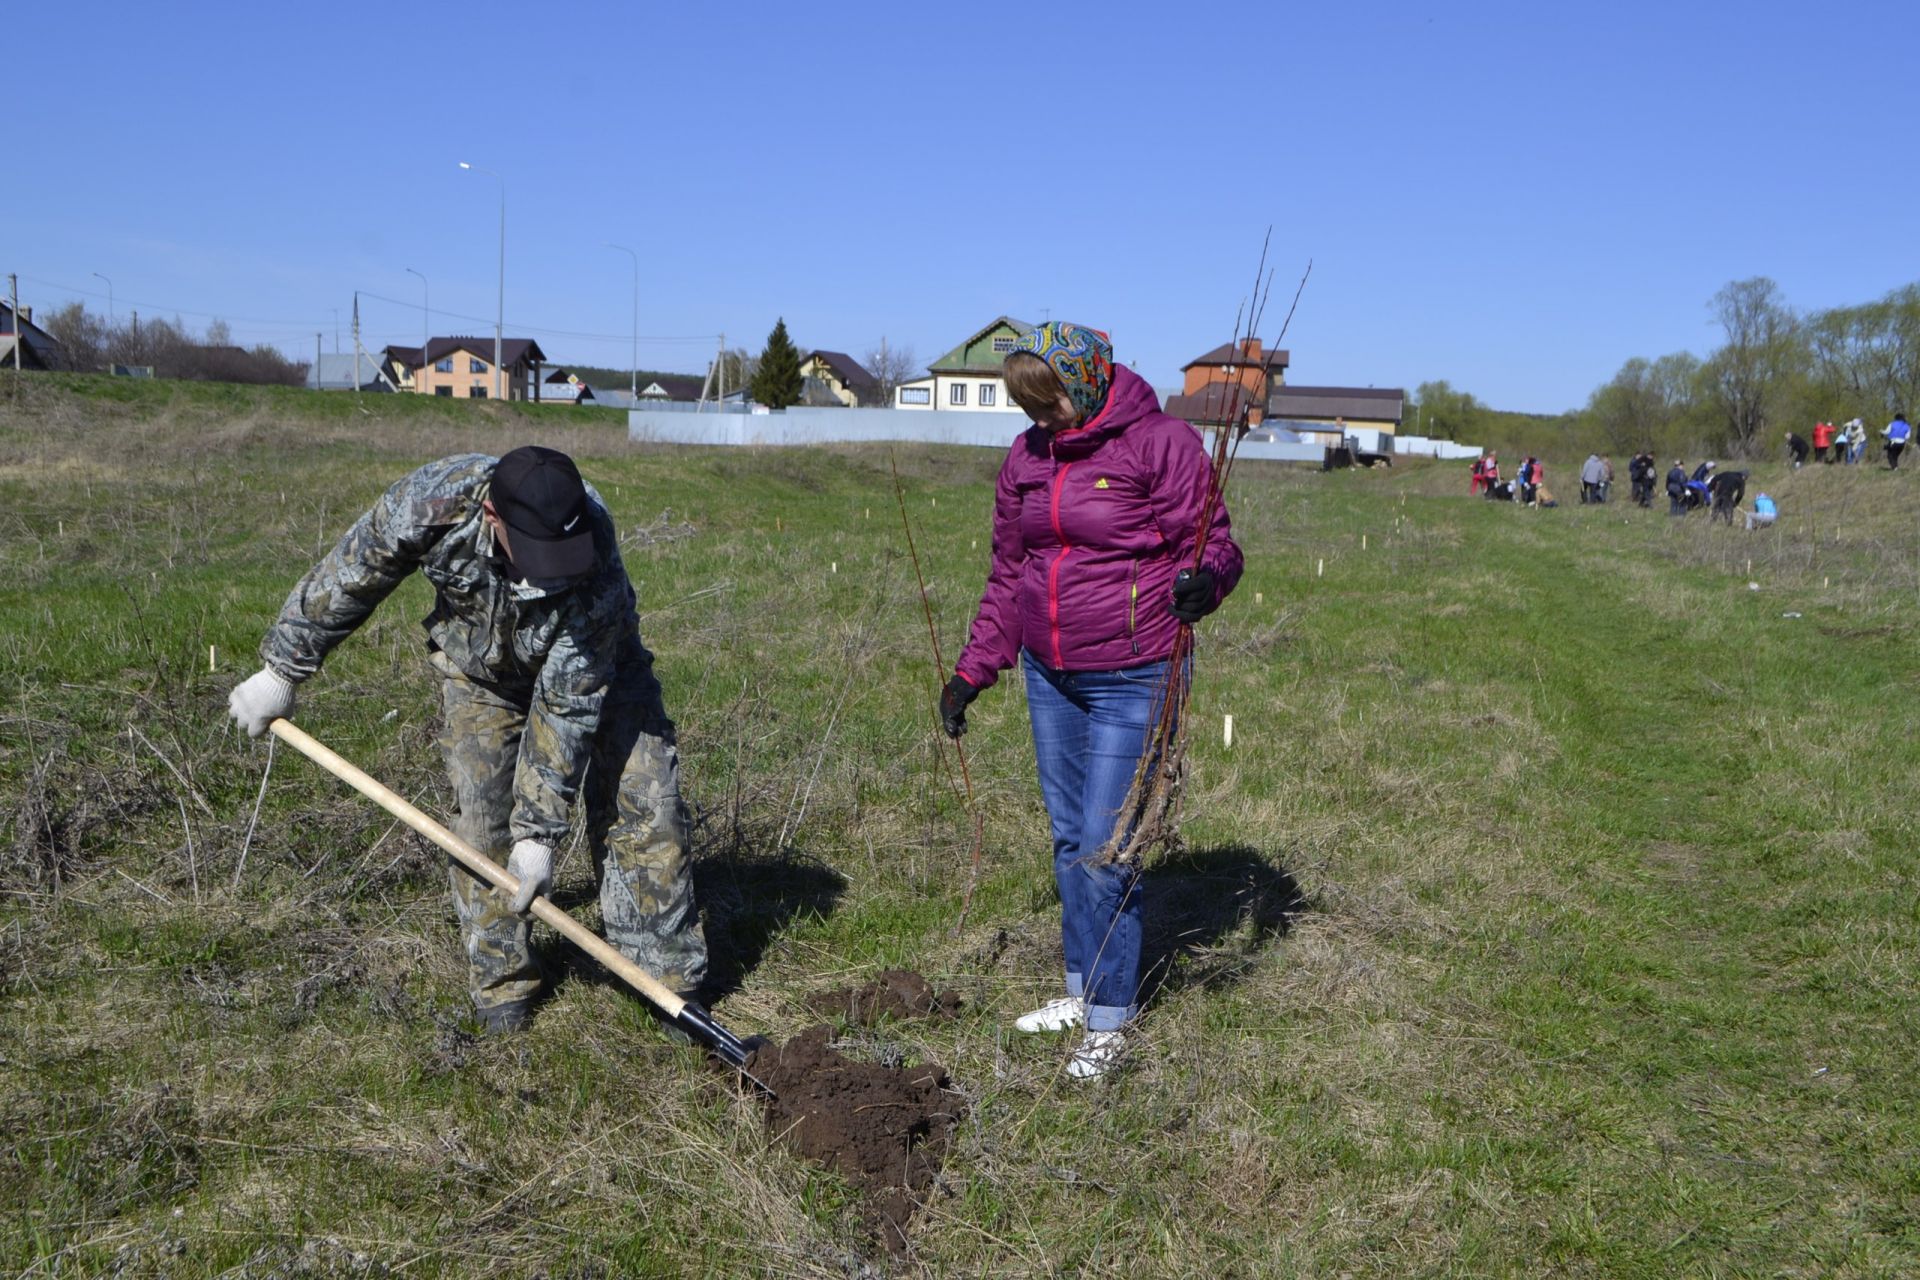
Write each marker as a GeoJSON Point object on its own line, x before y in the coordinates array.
{"type": "Point", "coordinates": [1209, 397]}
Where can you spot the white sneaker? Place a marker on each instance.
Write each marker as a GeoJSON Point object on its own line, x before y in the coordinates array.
{"type": "Point", "coordinates": [1054, 1015]}
{"type": "Point", "coordinates": [1099, 1053]}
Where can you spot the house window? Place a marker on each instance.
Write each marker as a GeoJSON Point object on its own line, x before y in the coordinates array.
{"type": "Point", "coordinates": [477, 392]}
{"type": "Point", "coordinates": [1002, 346]}
{"type": "Point", "coordinates": [476, 365]}
{"type": "Point", "coordinates": [986, 395]}
{"type": "Point", "coordinates": [444, 366]}
{"type": "Point", "coordinates": [957, 393]}
{"type": "Point", "coordinates": [916, 395]}
{"type": "Point", "coordinates": [443, 391]}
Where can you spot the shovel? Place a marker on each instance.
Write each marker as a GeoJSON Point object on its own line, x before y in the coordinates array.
{"type": "Point", "coordinates": [685, 1014]}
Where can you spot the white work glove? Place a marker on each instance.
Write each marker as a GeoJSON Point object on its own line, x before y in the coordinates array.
{"type": "Point", "coordinates": [259, 700]}
{"type": "Point", "coordinates": [532, 865]}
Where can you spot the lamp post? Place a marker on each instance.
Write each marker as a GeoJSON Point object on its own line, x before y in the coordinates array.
{"type": "Point", "coordinates": [426, 313]}
{"type": "Point", "coordinates": [634, 391]}
{"type": "Point", "coordinates": [500, 313]}
{"type": "Point", "coordinates": [110, 319]}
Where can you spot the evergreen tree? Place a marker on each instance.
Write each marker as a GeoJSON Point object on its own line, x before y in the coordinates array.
{"type": "Point", "coordinates": [777, 382]}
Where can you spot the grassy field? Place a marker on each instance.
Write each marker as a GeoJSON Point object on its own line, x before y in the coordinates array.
{"type": "Point", "coordinates": [1553, 911]}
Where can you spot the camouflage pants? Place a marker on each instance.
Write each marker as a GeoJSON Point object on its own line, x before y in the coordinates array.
{"type": "Point", "coordinates": [636, 825]}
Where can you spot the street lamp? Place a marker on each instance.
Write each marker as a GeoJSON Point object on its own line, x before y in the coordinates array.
{"type": "Point", "coordinates": [110, 319]}
{"type": "Point", "coordinates": [500, 313]}
{"type": "Point", "coordinates": [635, 390]}
{"type": "Point", "coordinates": [426, 313]}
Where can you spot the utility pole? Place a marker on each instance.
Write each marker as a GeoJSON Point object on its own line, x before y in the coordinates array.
{"type": "Point", "coordinates": [13, 294]}
{"type": "Point", "coordinates": [723, 373]}
{"type": "Point", "coordinates": [886, 377]}
{"type": "Point", "coordinates": [316, 363]}
{"type": "Point", "coordinates": [356, 347]}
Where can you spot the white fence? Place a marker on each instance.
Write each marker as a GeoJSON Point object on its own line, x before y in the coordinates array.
{"type": "Point", "coordinates": [799, 426]}
{"type": "Point", "coordinates": [1446, 450]}
{"type": "Point", "coordinates": [825, 426]}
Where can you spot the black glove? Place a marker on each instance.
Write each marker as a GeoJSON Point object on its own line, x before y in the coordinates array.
{"type": "Point", "coordinates": [1193, 597]}
{"type": "Point", "coordinates": [953, 705]}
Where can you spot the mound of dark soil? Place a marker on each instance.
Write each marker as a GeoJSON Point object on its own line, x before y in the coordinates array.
{"type": "Point", "coordinates": [883, 1129]}
{"type": "Point", "coordinates": [897, 993]}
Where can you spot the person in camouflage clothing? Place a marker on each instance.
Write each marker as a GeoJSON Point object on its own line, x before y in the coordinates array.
{"type": "Point", "coordinates": [543, 679]}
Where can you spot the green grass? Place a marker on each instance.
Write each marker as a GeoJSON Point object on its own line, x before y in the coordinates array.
{"type": "Point", "coordinates": [1603, 963]}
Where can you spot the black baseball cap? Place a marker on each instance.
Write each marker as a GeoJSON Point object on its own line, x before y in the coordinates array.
{"type": "Point", "coordinates": [539, 495]}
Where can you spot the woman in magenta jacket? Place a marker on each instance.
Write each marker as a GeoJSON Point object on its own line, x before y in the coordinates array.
{"type": "Point", "coordinates": [1094, 521]}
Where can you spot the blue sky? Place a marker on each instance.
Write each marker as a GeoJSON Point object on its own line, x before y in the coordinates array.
{"type": "Point", "coordinates": [1514, 197]}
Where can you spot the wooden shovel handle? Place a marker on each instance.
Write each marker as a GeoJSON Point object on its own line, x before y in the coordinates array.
{"type": "Point", "coordinates": [478, 863]}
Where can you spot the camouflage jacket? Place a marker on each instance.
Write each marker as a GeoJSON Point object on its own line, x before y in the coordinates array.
{"type": "Point", "coordinates": [556, 648]}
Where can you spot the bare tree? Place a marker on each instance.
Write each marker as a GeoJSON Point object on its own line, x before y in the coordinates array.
{"type": "Point", "coordinates": [1750, 375]}
{"type": "Point", "coordinates": [83, 337]}
{"type": "Point", "coordinates": [890, 366]}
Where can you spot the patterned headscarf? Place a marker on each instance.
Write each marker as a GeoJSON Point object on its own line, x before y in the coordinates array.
{"type": "Point", "coordinates": [1080, 357]}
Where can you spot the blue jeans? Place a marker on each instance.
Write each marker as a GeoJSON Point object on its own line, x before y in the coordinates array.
{"type": "Point", "coordinates": [1089, 730]}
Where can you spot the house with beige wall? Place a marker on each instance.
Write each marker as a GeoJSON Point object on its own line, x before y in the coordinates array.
{"type": "Point", "coordinates": [462, 368]}
{"type": "Point", "coordinates": [834, 377]}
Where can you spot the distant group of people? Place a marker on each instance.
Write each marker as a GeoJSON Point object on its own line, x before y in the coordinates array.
{"type": "Point", "coordinates": [1847, 443]}
{"type": "Point", "coordinates": [1528, 485]}
{"type": "Point", "coordinates": [1721, 492]}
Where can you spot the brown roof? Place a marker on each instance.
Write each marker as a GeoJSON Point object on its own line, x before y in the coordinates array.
{"type": "Point", "coordinates": [678, 386]}
{"type": "Point", "coordinates": [852, 374]}
{"type": "Point", "coordinates": [1327, 403]}
{"type": "Point", "coordinates": [1216, 402]}
{"type": "Point", "coordinates": [512, 350]}
{"type": "Point", "coordinates": [1228, 353]}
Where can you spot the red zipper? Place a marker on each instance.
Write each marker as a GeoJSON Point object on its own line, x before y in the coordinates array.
{"type": "Point", "coordinates": [1053, 573]}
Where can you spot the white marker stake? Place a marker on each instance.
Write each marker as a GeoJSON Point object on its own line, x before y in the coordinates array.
{"type": "Point", "coordinates": [833, 567]}
{"type": "Point", "coordinates": [210, 665]}
{"type": "Point", "coordinates": [1363, 542]}
{"type": "Point", "coordinates": [1823, 584]}
{"type": "Point", "coordinates": [1320, 571]}
{"type": "Point", "coordinates": [869, 511]}
{"type": "Point", "coordinates": [1226, 731]}
{"type": "Point", "coordinates": [976, 544]}
{"type": "Point", "coordinates": [1258, 598]}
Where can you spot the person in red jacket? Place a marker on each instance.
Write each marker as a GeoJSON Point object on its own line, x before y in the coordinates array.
{"type": "Point", "coordinates": [1095, 523]}
{"type": "Point", "coordinates": [1822, 437]}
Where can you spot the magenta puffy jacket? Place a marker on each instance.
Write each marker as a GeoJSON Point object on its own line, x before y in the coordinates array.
{"type": "Point", "coordinates": [1089, 527]}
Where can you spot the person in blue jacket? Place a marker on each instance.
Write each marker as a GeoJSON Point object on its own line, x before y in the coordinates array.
{"type": "Point", "coordinates": [1897, 433]}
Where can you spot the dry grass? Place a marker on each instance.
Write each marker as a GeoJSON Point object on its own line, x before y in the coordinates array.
{"type": "Point", "coordinates": [1551, 912]}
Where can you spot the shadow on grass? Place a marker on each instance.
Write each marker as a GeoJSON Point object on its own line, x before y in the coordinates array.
{"type": "Point", "coordinates": [1207, 913]}
{"type": "Point", "coordinates": [745, 901]}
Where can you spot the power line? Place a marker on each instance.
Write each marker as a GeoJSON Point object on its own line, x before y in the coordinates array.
{"type": "Point", "coordinates": [551, 333]}
{"type": "Point", "coordinates": [292, 325]}
{"type": "Point", "coordinates": [303, 327]}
